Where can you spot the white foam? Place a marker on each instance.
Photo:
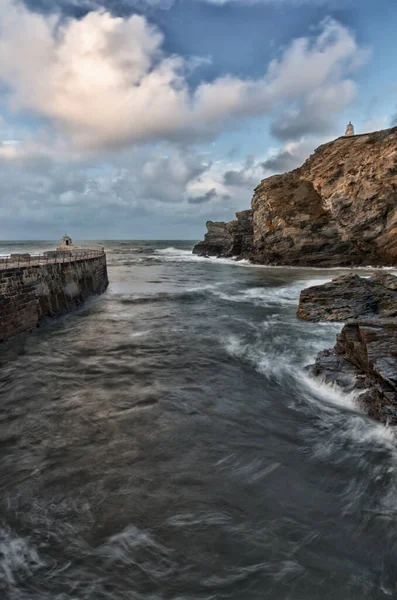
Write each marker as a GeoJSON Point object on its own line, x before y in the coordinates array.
{"type": "Point", "coordinates": [18, 559]}
{"type": "Point", "coordinates": [271, 362]}
{"type": "Point", "coordinates": [328, 392]}
{"type": "Point", "coordinates": [354, 426]}
{"type": "Point", "coordinates": [286, 295]}
{"type": "Point", "coordinates": [137, 334]}
{"type": "Point", "coordinates": [172, 250]}
{"type": "Point", "coordinates": [180, 255]}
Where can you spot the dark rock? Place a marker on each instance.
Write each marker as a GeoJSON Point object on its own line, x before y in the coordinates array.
{"type": "Point", "coordinates": [350, 297]}
{"type": "Point", "coordinates": [365, 357]}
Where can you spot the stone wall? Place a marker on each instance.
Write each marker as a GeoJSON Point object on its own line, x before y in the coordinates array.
{"type": "Point", "coordinates": [30, 295]}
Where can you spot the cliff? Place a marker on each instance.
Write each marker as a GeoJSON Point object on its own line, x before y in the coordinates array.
{"type": "Point", "coordinates": [339, 208]}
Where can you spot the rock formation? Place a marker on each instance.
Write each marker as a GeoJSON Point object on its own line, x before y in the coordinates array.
{"type": "Point", "coordinates": [228, 239]}
{"type": "Point", "coordinates": [365, 355]}
{"type": "Point", "coordinates": [365, 358]}
{"type": "Point", "coordinates": [339, 208]}
{"type": "Point", "coordinates": [350, 297]}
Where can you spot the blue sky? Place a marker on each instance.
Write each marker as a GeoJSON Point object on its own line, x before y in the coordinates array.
{"type": "Point", "coordinates": [145, 118]}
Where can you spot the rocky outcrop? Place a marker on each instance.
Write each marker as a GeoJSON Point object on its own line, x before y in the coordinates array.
{"type": "Point", "coordinates": [228, 239]}
{"type": "Point", "coordinates": [365, 359]}
{"type": "Point", "coordinates": [339, 208]}
{"type": "Point", "coordinates": [350, 297]}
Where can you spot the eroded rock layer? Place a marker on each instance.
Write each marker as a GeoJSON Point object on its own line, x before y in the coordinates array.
{"type": "Point", "coordinates": [365, 358]}
{"type": "Point", "coordinates": [228, 239]}
{"type": "Point", "coordinates": [339, 208]}
{"type": "Point", "coordinates": [350, 297]}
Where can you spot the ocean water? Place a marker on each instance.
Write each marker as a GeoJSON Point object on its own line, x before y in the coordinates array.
{"type": "Point", "coordinates": [164, 442]}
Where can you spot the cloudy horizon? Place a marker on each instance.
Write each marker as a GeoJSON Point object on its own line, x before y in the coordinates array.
{"type": "Point", "coordinates": [143, 119]}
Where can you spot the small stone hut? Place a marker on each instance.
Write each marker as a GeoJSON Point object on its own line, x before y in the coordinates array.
{"type": "Point", "coordinates": [66, 242]}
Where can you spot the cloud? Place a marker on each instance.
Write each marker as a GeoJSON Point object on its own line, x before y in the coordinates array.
{"type": "Point", "coordinates": [106, 82]}
{"type": "Point", "coordinates": [281, 162]}
{"type": "Point", "coordinates": [291, 156]}
{"type": "Point", "coordinates": [136, 193]}
{"type": "Point", "coordinates": [155, 191]}
{"type": "Point", "coordinates": [212, 194]}
{"type": "Point", "coordinates": [245, 176]}
{"type": "Point", "coordinates": [313, 114]}
{"type": "Point", "coordinates": [117, 7]}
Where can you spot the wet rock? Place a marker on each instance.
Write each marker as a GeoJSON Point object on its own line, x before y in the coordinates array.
{"type": "Point", "coordinates": [350, 297]}
{"type": "Point", "coordinates": [365, 358]}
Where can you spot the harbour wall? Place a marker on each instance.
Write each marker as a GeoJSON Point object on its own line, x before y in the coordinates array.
{"type": "Point", "coordinates": [30, 294]}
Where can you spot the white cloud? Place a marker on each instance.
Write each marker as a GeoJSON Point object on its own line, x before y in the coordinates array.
{"type": "Point", "coordinates": [105, 81]}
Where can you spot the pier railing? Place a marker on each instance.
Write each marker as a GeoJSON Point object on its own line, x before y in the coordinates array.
{"type": "Point", "coordinates": [53, 257]}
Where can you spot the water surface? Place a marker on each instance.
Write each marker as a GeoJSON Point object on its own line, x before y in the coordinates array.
{"type": "Point", "coordinates": [165, 443]}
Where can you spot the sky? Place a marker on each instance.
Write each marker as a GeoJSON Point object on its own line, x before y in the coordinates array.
{"type": "Point", "coordinates": [143, 119]}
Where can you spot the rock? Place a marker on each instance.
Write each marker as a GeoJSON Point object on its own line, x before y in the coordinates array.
{"type": "Point", "coordinates": [350, 297]}
{"type": "Point", "coordinates": [338, 209]}
{"type": "Point", "coordinates": [365, 358]}
{"type": "Point", "coordinates": [227, 239]}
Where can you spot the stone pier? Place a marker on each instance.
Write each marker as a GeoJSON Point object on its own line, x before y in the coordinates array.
{"type": "Point", "coordinates": [33, 292]}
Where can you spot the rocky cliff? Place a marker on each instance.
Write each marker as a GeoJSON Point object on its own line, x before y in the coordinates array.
{"type": "Point", "coordinates": [228, 239]}
{"type": "Point", "coordinates": [338, 208]}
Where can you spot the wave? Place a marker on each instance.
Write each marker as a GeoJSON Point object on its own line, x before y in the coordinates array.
{"type": "Point", "coordinates": [172, 250]}
{"type": "Point", "coordinates": [182, 255]}
{"type": "Point", "coordinates": [184, 295]}
{"type": "Point", "coordinates": [286, 295]}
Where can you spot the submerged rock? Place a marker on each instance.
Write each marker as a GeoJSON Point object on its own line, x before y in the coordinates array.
{"type": "Point", "coordinates": [338, 209]}
{"type": "Point", "coordinates": [350, 297]}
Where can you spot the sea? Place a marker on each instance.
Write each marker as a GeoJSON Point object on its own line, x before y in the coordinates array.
{"type": "Point", "coordinates": [165, 442]}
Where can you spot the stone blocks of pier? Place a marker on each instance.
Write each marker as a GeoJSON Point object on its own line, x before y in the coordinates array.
{"type": "Point", "coordinates": [32, 294]}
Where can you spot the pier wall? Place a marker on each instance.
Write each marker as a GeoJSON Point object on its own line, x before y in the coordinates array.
{"type": "Point", "coordinates": [32, 294]}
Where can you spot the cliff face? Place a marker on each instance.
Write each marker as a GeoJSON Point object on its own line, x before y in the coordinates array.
{"type": "Point", "coordinates": [338, 208]}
